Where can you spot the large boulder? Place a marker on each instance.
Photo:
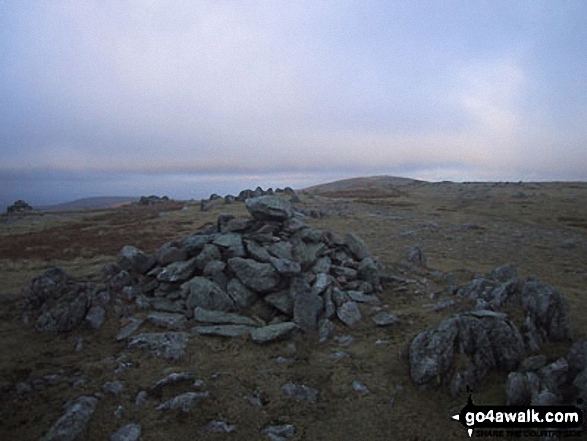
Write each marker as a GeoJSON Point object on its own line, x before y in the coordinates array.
{"type": "Point", "coordinates": [132, 259]}
{"type": "Point", "coordinates": [486, 339]}
{"type": "Point", "coordinates": [267, 208]}
{"type": "Point", "coordinates": [208, 295]}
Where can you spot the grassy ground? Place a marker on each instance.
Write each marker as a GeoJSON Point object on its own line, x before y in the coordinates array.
{"type": "Point", "coordinates": [463, 229]}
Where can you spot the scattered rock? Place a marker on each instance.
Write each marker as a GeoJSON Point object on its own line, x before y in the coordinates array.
{"type": "Point", "coordinates": [385, 319]}
{"type": "Point", "coordinates": [274, 332]}
{"type": "Point", "coordinates": [168, 320]}
{"type": "Point", "coordinates": [223, 330]}
{"type": "Point", "coordinates": [300, 392]}
{"type": "Point", "coordinates": [74, 421]}
{"type": "Point", "coordinates": [113, 387]}
{"type": "Point", "coordinates": [219, 317]}
{"type": "Point", "coordinates": [170, 345]}
{"type": "Point", "coordinates": [349, 313]}
{"type": "Point", "coordinates": [217, 427]}
{"type": "Point", "coordinates": [96, 317]}
{"type": "Point", "coordinates": [130, 432]}
{"type": "Point", "coordinates": [184, 402]}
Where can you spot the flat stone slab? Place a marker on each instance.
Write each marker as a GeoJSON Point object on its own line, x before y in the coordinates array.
{"type": "Point", "coordinates": [168, 320]}
{"type": "Point", "coordinates": [349, 313]}
{"type": "Point", "coordinates": [222, 330]}
{"type": "Point", "coordinates": [219, 317]}
{"type": "Point", "coordinates": [170, 345]}
{"type": "Point", "coordinates": [270, 333]}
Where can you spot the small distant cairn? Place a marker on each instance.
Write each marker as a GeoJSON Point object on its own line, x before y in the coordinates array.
{"type": "Point", "coordinates": [152, 200]}
{"type": "Point", "coordinates": [19, 206]}
{"type": "Point", "coordinates": [216, 199]}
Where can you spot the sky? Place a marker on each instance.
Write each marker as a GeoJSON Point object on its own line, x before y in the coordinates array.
{"type": "Point", "coordinates": [186, 98]}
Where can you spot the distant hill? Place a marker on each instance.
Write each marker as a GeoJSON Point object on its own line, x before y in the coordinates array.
{"type": "Point", "coordinates": [89, 203]}
{"type": "Point", "coordinates": [363, 183]}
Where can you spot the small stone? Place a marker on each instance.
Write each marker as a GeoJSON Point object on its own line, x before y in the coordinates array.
{"type": "Point", "coordinates": [217, 427]}
{"type": "Point", "coordinates": [283, 431]}
{"type": "Point", "coordinates": [349, 313]}
{"type": "Point", "coordinates": [170, 321]}
{"type": "Point", "coordinates": [300, 392]}
{"type": "Point", "coordinates": [184, 402]}
{"type": "Point", "coordinates": [223, 330]}
{"type": "Point", "coordinates": [130, 432]}
{"type": "Point", "coordinates": [129, 329]}
{"type": "Point", "coordinates": [141, 398]}
{"type": "Point", "coordinates": [385, 319]}
{"type": "Point", "coordinates": [170, 345]}
{"type": "Point", "coordinates": [74, 421]}
{"type": "Point", "coordinates": [174, 378]}
{"type": "Point", "coordinates": [113, 387]}
{"type": "Point", "coordinates": [360, 388]}
{"type": "Point", "coordinates": [96, 317]}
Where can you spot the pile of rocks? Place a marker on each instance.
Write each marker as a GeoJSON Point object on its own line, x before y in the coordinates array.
{"type": "Point", "coordinates": [264, 276]}
{"type": "Point", "coordinates": [216, 199]}
{"type": "Point", "coordinates": [486, 338]}
{"type": "Point", "coordinates": [152, 200]}
{"type": "Point", "coordinates": [19, 206]}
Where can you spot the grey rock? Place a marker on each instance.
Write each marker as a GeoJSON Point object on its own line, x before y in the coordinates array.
{"type": "Point", "coordinates": [343, 271]}
{"type": "Point", "coordinates": [349, 313]}
{"type": "Point", "coordinates": [360, 297]}
{"type": "Point", "coordinates": [257, 252]}
{"type": "Point", "coordinates": [322, 265]}
{"type": "Point", "coordinates": [271, 333]}
{"type": "Point", "coordinates": [223, 330]}
{"type": "Point", "coordinates": [554, 375]}
{"type": "Point", "coordinates": [546, 398]}
{"type": "Point", "coordinates": [307, 253]}
{"type": "Point", "coordinates": [548, 310]}
{"type": "Point", "coordinates": [577, 357]}
{"type": "Point", "coordinates": [129, 329]}
{"type": "Point", "coordinates": [329, 305]}
{"type": "Point", "coordinates": [281, 250]}
{"type": "Point", "coordinates": [260, 277]}
{"type": "Point", "coordinates": [169, 253]}
{"type": "Point", "coordinates": [384, 318]}
{"type": "Point", "coordinates": [74, 421]}
{"type": "Point", "coordinates": [96, 317]}
{"type": "Point", "coordinates": [269, 208]}
{"type": "Point", "coordinates": [64, 316]}
{"type": "Point", "coordinates": [360, 388]}
{"type": "Point", "coordinates": [356, 246]}
{"type": "Point", "coordinates": [132, 259]}
{"type": "Point", "coordinates": [163, 304]}
{"type": "Point", "coordinates": [170, 345]}
{"type": "Point", "coordinates": [505, 273]}
{"type": "Point", "coordinates": [184, 402]}
{"type": "Point", "coordinates": [443, 304]}
{"type": "Point", "coordinates": [130, 432]}
{"type": "Point", "coordinates": [339, 355]}
{"type": "Point", "coordinates": [368, 271]}
{"type": "Point", "coordinates": [217, 427]}
{"type": "Point", "coordinates": [321, 283]}
{"type": "Point", "coordinates": [284, 431]}
{"type": "Point", "coordinates": [300, 392]}
{"type": "Point", "coordinates": [521, 388]}
{"type": "Point", "coordinates": [532, 364]}
{"type": "Point", "coordinates": [208, 254]}
{"type": "Point", "coordinates": [178, 271]}
{"type": "Point", "coordinates": [174, 378]}
{"type": "Point", "coordinates": [282, 301]}
{"type": "Point", "coordinates": [307, 305]}
{"type": "Point", "coordinates": [325, 328]}
{"type": "Point", "coordinates": [241, 296]}
{"type": "Point", "coordinates": [141, 398]}
{"type": "Point", "coordinates": [208, 295]}
{"type": "Point", "coordinates": [213, 267]}
{"type": "Point", "coordinates": [232, 244]}
{"type": "Point", "coordinates": [113, 387]}
{"type": "Point", "coordinates": [285, 267]}
{"type": "Point", "coordinates": [416, 256]}
{"type": "Point", "coordinates": [489, 341]}
{"type": "Point", "coordinates": [195, 243]}
{"type": "Point", "coordinates": [167, 320]}
{"type": "Point", "coordinates": [219, 317]}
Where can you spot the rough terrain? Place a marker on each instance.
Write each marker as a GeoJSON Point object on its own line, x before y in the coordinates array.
{"type": "Point", "coordinates": [355, 385]}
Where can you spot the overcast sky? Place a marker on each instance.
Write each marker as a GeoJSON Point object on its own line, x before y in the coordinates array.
{"type": "Point", "coordinates": [189, 97]}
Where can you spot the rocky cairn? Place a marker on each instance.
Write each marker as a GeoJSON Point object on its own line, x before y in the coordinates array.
{"type": "Point", "coordinates": [19, 206]}
{"type": "Point", "coordinates": [265, 277]}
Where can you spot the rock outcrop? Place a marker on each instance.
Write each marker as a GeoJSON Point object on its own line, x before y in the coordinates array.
{"type": "Point", "coordinates": [19, 206]}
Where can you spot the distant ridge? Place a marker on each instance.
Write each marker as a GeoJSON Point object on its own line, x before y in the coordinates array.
{"type": "Point", "coordinates": [92, 203]}
{"type": "Point", "coordinates": [362, 183]}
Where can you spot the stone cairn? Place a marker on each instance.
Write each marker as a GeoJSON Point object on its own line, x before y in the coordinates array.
{"type": "Point", "coordinates": [19, 206]}
{"type": "Point", "coordinates": [265, 276]}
